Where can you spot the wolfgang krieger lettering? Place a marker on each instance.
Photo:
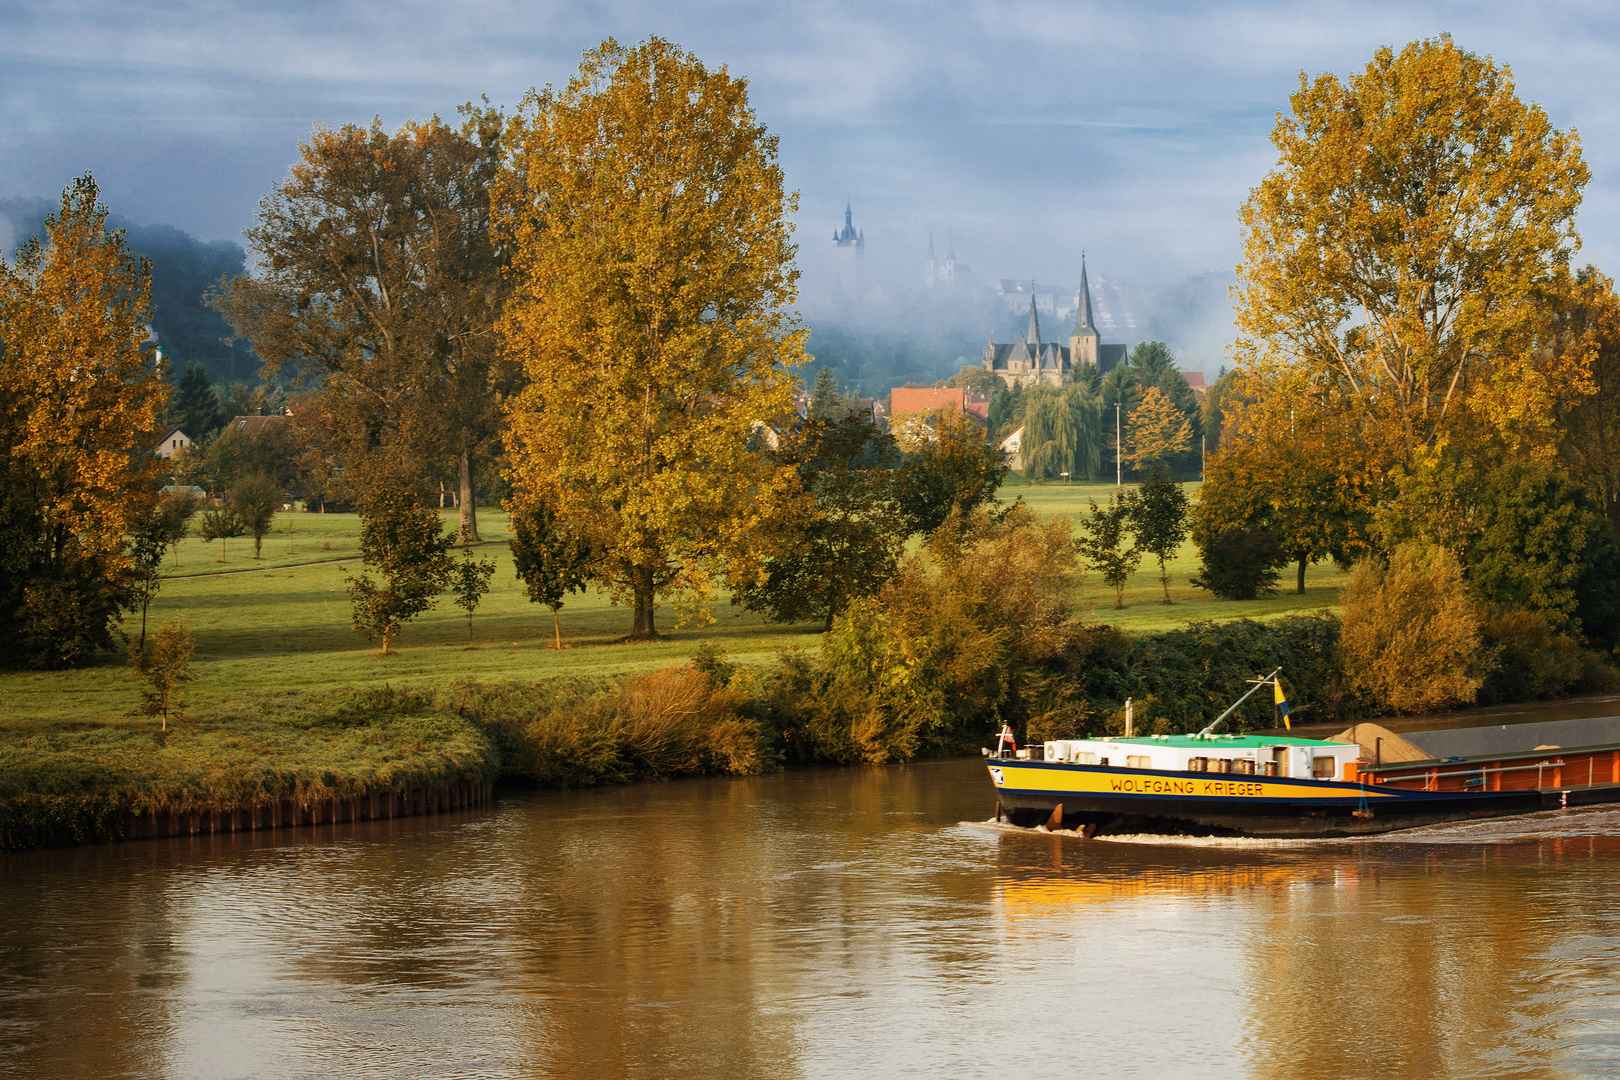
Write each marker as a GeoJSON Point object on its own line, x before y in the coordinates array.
{"type": "Point", "coordinates": [1152, 785]}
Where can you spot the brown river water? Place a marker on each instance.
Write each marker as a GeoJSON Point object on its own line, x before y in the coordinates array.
{"type": "Point", "coordinates": [820, 923]}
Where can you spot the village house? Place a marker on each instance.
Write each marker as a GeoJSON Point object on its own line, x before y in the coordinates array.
{"type": "Point", "coordinates": [171, 442]}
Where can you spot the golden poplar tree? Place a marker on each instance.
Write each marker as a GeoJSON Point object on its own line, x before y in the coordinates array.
{"type": "Point", "coordinates": [1399, 258]}
{"type": "Point", "coordinates": [81, 398]}
{"type": "Point", "coordinates": [652, 276]}
{"type": "Point", "coordinates": [1156, 432]}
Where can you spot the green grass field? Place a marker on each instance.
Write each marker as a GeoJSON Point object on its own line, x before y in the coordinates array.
{"type": "Point", "coordinates": [273, 634]}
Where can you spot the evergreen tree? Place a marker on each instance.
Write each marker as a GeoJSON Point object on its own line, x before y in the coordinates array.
{"type": "Point", "coordinates": [193, 405]}
{"type": "Point", "coordinates": [825, 404]}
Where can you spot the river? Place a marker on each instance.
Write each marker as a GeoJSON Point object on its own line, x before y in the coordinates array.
{"type": "Point", "coordinates": [817, 923]}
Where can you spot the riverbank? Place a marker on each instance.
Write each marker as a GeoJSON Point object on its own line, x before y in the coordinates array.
{"type": "Point", "coordinates": [270, 718]}
{"type": "Point", "coordinates": [91, 782]}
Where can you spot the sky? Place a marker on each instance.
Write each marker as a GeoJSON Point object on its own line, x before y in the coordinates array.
{"type": "Point", "coordinates": [1019, 133]}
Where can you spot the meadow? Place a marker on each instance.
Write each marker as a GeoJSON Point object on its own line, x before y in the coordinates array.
{"type": "Point", "coordinates": [273, 634]}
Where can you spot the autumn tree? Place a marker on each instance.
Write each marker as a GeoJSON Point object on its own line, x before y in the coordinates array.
{"type": "Point", "coordinates": [955, 469]}
{"type": "Point", "coordinates": [82, 398]}
{"type": "Point", "coordinates": [850, 542]}
{"type": "Point", "coordinates": [377, 278]}
{"type": "Point", "coordinates": [653, 280]}
{"type": "Point", "coordinates": [1400, 256]}
{"type": "Point", "coordinates": [1312, 481]}
{"type": "Point", "coordinates": [1227, 393]}
{"type": "Point", "coordinates": [1410, 636]}
{"type": "Point", "coordinates": [1156, 433]}
{"type": "Point", "coordinates": [1589, 425]}
{"type": "Point", "coordinates": [551, 559]}
{"type": "Point", "coordinates": [404, 542]}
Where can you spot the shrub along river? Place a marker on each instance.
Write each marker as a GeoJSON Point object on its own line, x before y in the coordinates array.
{"type": "Point", "coordinates": [814, 923]}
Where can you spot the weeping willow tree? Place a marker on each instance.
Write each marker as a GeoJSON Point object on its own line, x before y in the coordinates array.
{"type": "Point", "coordinates": [1063, 432]}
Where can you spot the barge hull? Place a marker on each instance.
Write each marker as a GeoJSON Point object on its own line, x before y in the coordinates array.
{"type": "Point", "coordinates": [1110, 816]}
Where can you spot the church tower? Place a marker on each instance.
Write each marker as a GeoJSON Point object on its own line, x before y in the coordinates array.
{"type": "Point", "coordinates": [850, 243]}
{"type": "Point", "coordinates": [1085, 342]}
{"type": "Point", "coordinates": [928, 267]}
{"type": "Point", "coordinates": [947, 272]}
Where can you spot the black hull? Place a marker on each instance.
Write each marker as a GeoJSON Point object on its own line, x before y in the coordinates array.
{"type": "Point", "coordinates": [1188, 817]}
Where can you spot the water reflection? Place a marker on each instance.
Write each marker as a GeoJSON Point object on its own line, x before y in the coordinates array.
{"type": "Point", "coordinates": [825, 923]}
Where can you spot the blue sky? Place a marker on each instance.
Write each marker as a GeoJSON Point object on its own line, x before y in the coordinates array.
{"type": "Point", "coordinates": [1022, 131]}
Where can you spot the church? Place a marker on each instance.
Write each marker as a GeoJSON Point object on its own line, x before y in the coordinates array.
{"type": "Point", "coordinates": [1029, 361]}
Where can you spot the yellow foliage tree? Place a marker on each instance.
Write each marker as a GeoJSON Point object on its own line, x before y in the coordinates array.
{"type": "Point", "coordinates": [1312, 480]}
{"type": "Point", "coordinates": [652, 278]}
{"type": "Point", "coordinates": [1401, 257]}
{"type": "Point", "coordinates": [81, 398]}
{"type": "Point", "coordinates": [1156, 432]}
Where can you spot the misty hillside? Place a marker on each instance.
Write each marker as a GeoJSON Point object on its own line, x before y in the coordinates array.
{"type": "Point", "coordinates": [183, 269]}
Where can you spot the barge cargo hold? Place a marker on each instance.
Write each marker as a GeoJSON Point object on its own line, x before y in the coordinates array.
{"type": "Point", "coordinates": [1269, 786]}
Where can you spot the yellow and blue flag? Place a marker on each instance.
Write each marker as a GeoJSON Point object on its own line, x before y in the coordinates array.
{"type": "Point", "coordinates": [1282, 702]}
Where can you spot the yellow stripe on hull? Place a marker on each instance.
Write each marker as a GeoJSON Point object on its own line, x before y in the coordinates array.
{"type": "Point", "coordinates": [1097, 780]}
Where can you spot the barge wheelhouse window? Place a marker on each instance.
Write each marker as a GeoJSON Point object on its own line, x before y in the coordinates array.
{"type": "Point", "coordinates": [1138, 761]}
{"type": "Point", "coordinates": [1324, 767]}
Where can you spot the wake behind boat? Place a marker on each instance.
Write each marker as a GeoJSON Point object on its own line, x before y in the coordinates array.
{"type": "Point", "coordinates": [1271, 786]}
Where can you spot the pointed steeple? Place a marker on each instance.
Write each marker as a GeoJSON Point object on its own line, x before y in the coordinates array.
{"type": "Point", "coordinates": [848, 215]}
{"type": "Point", "coordinates": [1034, 334]}
{"type": "Point", "coordinates": [1082, 318]}
{"type": "Point", "coordinates": [930, 247]}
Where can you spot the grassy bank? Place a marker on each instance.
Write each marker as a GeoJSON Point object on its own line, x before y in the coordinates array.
{"type": "Point", "coordinates": [278, 671]}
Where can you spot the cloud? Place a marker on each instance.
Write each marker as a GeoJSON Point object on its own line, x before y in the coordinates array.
{"type": "Point", "coordinates": [1025, 130]}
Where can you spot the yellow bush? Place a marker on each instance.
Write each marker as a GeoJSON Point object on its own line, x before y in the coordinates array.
{"type": "Point", "coordinates": [1410, 637]}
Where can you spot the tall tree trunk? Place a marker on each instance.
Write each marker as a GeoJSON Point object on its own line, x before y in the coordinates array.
{"type": "Point", "coordinates": [469, 508]}
{"type": "Point", "coordinates": [556, 626]}
{"type": "Point", "coordinates": [1300, 586]}
{"type": "Point", "coordinates": [643, 629]}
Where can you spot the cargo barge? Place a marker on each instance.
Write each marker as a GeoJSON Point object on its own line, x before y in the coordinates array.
{"type": "Point", "coordinates": [1279, 786]}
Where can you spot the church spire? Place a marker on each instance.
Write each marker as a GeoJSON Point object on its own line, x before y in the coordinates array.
{"type": "Point", "coordinates": [1034, 335]}
{"type": "Point", "coordinates": [1082, 318]}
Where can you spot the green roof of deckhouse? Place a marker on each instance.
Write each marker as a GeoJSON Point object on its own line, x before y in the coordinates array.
{"type": "Point", "coordinates": [1219, 742]}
